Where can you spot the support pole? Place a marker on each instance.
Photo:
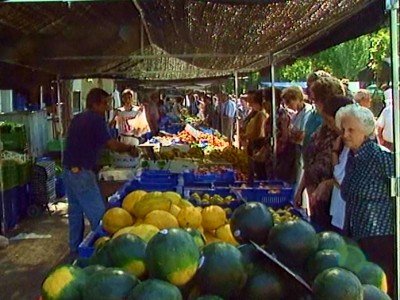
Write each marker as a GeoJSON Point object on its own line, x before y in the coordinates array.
{"type": "Point", "coordinates": [59, 115]}
{"type": "Point", "coordinates": [396, 127]}
{"type": "Point", "coordinates": [141, 37]}
{"type": "Point", "coordinates": [274, 125]}
{"type": "Point", "coordinates": [237, 141]}
{"type": "Point", "coordinates": [41, 97]}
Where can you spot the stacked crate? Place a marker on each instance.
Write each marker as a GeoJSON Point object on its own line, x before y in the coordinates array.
{"type": "Point", "coordinates": [43, 182]}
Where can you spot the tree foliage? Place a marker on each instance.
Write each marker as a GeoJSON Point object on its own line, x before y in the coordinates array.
{"type": "Point", "coordinates": [345, 60]}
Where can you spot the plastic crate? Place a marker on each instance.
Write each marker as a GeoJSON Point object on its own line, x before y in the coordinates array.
{"type": "Point", "coordinates": [9, 209]}
{"type": "Point", "coordinates": [276, 197]}
{"type": "Point", "coordinates": [86, 248]}
{"type": "Point", "coordinates": [163, 177]}
{"type": "Point", "coordinates": [9, 174]}
{"type": "Point", "coordinates": [225, 178]}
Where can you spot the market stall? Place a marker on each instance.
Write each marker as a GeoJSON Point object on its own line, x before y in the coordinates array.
{"type": "Point", "coordinates": [209, 202]}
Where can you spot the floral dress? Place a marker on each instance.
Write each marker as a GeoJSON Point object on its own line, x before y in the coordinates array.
{"type": "Point", "coordinates": [317, 168]}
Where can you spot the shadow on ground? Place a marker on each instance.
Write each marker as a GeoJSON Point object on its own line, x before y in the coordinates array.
{"type": "Point", "coordinates": [25, 263]}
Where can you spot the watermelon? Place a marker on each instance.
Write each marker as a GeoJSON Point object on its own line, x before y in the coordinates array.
{"type": "Point", "coordinates": [82, 262]}
{"type": "Point", "coordinates": [251, 222]}
{"type": "Point", "coordinates": [110, 283]}
{"type": "Point", "coordinates": [371, 292]}
{"type": "Point", "coordinates": [102, 256]}
{"type": "Point", "coordinates": [331, 240]}
{"type": "Point", "coordinates": [293, 242]}
{"type": "Point", "coordinates": [353, 258]}
{"type": "Point", "coordinates": [337, 284]}
{"type": "Point", "coordinates": [155, 289]}
{"type": "Point", "coordinates": [172, 255]}
{"type": "Point", "coordinates": [221, 271]}
{"type": "Point", "coordinates": [127, 252]}
{"type": "Point", "coordinates": [322, 260]}
{"type": "Point", "coordinates": [90, 270]}
{"type": "Point", "coordinates": [64, 282]}
{"type": "Point", "coordinates": [198, 237]}
{"type": "Point", "coordinates": [370, 273]}
{"type": "Point", "coordinates": [251, 257]}
{"type": "Point", "coordinates": [263, 285]}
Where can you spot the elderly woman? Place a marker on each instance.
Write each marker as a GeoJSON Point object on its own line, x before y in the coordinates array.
{"type": "Point", "coordinates": [365, 187]}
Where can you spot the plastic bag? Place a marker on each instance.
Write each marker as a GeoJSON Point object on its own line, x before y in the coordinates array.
{"type": "Point", "coordinates": [139, 123]}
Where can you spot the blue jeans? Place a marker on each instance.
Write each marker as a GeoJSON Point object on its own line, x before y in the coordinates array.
{"type": "Point", "coordinates": [84, 198]}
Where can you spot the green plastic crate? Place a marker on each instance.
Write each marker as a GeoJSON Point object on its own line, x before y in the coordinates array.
{"type": "Point", "coordinates": [9, 176]}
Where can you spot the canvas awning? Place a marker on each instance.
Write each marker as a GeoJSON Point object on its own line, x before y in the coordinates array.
{"type": "Point", "coordinates": [180, 39]}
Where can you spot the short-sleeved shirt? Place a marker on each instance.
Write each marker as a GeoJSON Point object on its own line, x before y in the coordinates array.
{"type": "Point", "coordinates": [385, 121]}
{"type": "Point", "coordinates": [87, 135]}
{"type": "Point", "coordinates": [369, 208]}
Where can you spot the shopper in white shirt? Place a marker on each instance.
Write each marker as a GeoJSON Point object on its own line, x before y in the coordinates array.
{"type": "Point", "coordinates": [384, 123]}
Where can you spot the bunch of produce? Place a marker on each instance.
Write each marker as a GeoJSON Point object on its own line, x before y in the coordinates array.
{"type": "Point", "coordinates": [203, 138]}
{"type": "Point", "coordinates": [186, 137]}
{"type": "Point", "coordinates": [206, 199]}
{"type": "Point", "coordinates": [237, 157]}
{"type": "Point", "coordinates": [177, 263]}
{"type": "Point", "coordinates": [282, 215]}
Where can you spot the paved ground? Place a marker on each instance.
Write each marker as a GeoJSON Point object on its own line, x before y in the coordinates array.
{"type": "Point", "coordinates": [25, 263]}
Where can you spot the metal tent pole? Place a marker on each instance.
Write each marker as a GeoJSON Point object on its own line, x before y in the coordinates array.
{"type": "Point", "coordinates": [237, 142]}
{"type": "Point", "coordinates": [393, 6]}
{"type": "Point", "coordinates": [273, 115]}
{"type": "Point", "coordinates": [59, 114]}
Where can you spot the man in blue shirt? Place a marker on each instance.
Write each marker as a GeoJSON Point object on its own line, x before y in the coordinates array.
{"type": "Point", "coordinates": [228, 116]}
{"type": "Point", "coordinates": [87, 135]}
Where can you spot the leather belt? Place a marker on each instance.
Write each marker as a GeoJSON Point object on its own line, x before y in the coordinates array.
{"type": "Point", "coordinates": [75, 170]}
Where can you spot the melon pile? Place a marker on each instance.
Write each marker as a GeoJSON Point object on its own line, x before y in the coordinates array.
{"type": "Point", "coordinates": [156, 250]}
{"type": "Point", "coordinates": [144, 214]}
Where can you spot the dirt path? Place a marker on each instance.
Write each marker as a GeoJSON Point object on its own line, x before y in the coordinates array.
{"type": "Point", "coordinates": [25, 263]}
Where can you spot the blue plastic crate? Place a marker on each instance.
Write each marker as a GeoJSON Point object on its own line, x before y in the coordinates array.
{"type": "Point", "coordinates": [224, 178]}
{"type": "Point", "coordinates": [275, 197]}
{"type": "Point", "coordinates": [86, 248]}
{"type": "Point", "coordinates": [159, 177]}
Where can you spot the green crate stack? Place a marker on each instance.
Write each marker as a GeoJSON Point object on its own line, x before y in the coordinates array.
{"type": "Point", "coordinates": [24, 172]}
{"type": "Point", "coordinates": [9, 176]}
{"type": "Point", "coordinates": [13, 136]}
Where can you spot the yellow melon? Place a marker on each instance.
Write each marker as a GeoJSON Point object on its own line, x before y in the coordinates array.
{"type": "Point", "coordinates": [189, 217]}
{"type": "Point", "coordinates": [213, 217]}
{"type": "Point", "coordinates": [115, 219]}
{"type": "Point", "coordinates": [173, 196]}
{"type": "Point", "coordinates": [224, 233]}
{"type": "Point", "coordinates": [144, 231]}
{"type": "Point", "coordinates": [161, 219]}
{"type": "Point", "coordinates": [210, 238]}
{"type": "Point", "coordinates": [174, 210]}
{"type": "Point", "coordinates": [129, 201]}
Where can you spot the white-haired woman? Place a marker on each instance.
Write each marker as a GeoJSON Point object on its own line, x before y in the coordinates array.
{"type": "Point", "coordinates": [365, 187]}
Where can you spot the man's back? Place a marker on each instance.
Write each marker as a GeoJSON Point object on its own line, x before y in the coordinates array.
{"type": "Point", "coordinates": [87, 134]}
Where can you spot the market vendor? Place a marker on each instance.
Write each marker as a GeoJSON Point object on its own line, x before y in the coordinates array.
{"type": "Point", "coordinates": [87, 135]}
{"type": "Point", "coordinates": [365, 188]}
{"type": "Point", "coordinates": [130, 119]}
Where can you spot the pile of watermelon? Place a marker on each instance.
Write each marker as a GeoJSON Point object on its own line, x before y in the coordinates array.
{"type": "Point", "coordinates": [177, 264]}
